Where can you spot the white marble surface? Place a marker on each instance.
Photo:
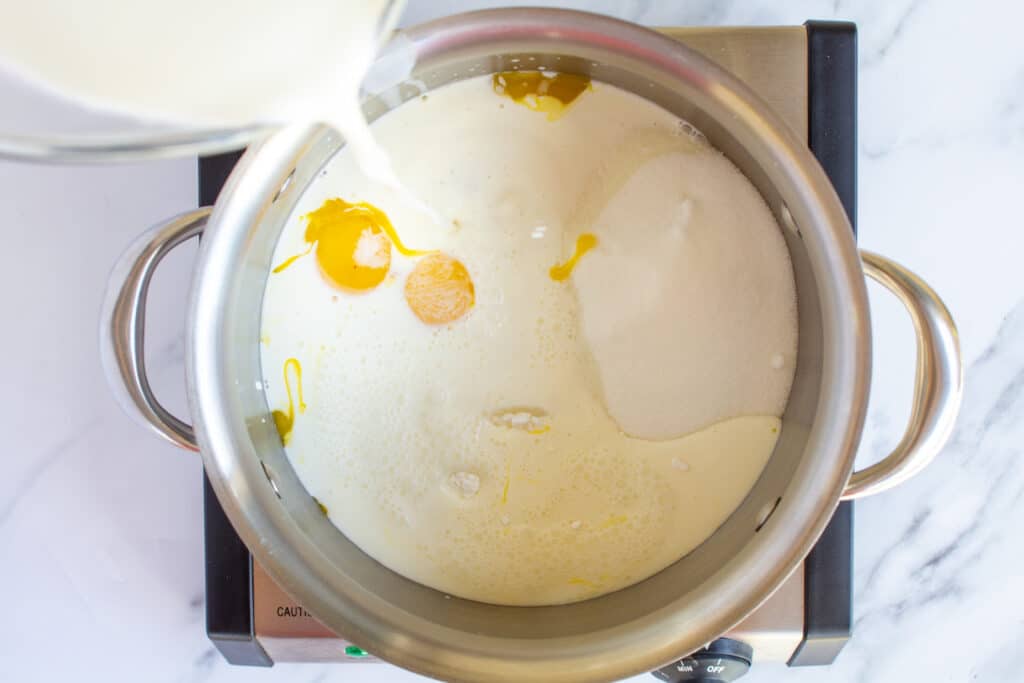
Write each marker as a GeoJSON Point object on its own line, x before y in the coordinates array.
{"type": "Point", "coordinates": [100, 524]}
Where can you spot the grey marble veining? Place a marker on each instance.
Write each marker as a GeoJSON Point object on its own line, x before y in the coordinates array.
{"type": "Point", "coordinates": [100, 524]}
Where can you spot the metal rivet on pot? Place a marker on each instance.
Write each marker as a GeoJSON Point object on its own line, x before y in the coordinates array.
{"type": "Point", "coordinates": [766, 513]}
{"type": "Point", "coordinates": [270, 478]}
{"type": "Point", "coordinates": [787, 221]}
{"type": "Point", "coordinates": [284, 186]}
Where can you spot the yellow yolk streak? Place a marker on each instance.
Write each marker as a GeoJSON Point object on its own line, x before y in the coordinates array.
{"type": "Point", "coordinates": [548, 94]}
{"type": "Point", "coordinates": [613, 520]}
{"type": "Point", "coordinates": [584, 243]}
{"type": "Point", "coordinates": [323, 508]}
{"type": "Point", "coordinates": [580, 581]}
{"type": "Point", "coordinates": [291, 259]}
{"type": "Point", "coordinates": [285, 421]}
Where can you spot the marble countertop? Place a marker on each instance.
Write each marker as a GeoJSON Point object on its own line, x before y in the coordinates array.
{"type": "Point", "coordinates": [100, 524]}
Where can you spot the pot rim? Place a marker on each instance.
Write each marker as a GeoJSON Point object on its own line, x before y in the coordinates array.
{"type": "Point", "coordinates": [730, 593]}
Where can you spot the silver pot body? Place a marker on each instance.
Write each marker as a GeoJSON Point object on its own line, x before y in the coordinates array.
{"type": "Point", "coordinates": [640, 627]}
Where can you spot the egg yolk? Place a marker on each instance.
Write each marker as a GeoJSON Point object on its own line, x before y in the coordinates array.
{"type": "Point", "coordinates": [584, 243]}
{"type": "Point", "coordinates": [439, 290]}
{"type": "Point", "coordinates": [353, 244]}
{"type": "Point", "coordinates": [282, 420]}
{"type": "Point", "coordinates": [541, 91]}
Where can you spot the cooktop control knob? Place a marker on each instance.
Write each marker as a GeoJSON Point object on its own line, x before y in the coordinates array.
{"type": "Point", "coordinates": [722, 661]}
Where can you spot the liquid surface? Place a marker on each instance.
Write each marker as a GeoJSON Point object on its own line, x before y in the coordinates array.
{"type": "Point", "coordinates": [523, 439]}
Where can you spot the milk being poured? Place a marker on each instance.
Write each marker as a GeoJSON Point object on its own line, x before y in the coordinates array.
{"type": "Point", "coordinates": [223, 64]}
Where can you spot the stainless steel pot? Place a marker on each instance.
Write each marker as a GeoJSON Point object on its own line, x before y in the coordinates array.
{"type": "Point", "coordinates": [638, 628]}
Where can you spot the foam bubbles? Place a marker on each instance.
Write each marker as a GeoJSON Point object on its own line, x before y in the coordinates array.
{"type": "Point", "coordinates": [466, 484]}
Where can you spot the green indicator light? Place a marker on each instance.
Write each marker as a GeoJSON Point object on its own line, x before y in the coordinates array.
{"type": "Point", "coordinates": [353, 651]}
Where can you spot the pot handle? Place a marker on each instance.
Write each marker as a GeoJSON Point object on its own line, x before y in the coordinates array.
{"type": "Point", "coordinates": [938, 381]}
{"type": "Point", "coordinates": [123, 326]}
